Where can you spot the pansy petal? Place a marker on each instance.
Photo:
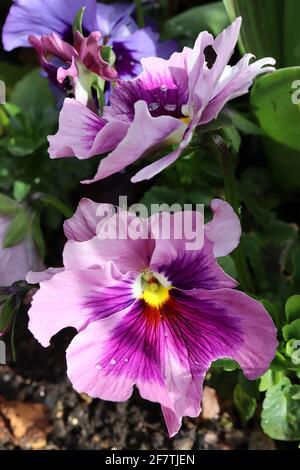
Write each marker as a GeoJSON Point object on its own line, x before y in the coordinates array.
{"type": "Point", "coordinates": [44, 17]}
{"type": "Point", "coordinates": [157, 167]}
{"type": "Point", "coordinates": [131, 49]}
{"type": "Point", "coordinates": [133, 350]}
{"type": "Point", "coordinates": [232, 325]}
{"type": "Point", "coordinates": [186, 259]}
{"type": "Point", "coordinates": [144, 134]}
{"type": "Point", "coordinates": [110, 356]}
{"type": "Point", "coordinates": [74, 298]}
{"type": "Point", "coordinates": [224, 230]}
{"type": "Point", "coordinates": [34, 277]}
{"type": "Point", "coordinates": [202, 80]}
{"type": "Point", "coordinates": [82, 133]}
{"type": "Point", "coordinates": [83, 225]}
{"type": "Point", "coordinates": [234, 82]}
{"type": "Point", "coordinates": [123, 239]}
{"type": "Point", "coordinates": [17, 260]}
{"type": "Point", "coordinates": [112, 18]}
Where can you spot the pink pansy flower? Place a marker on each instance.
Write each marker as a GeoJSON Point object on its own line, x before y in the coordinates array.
{"type": "Point", "coordinates": [162, 106]}
{"type": "Point", "coordinates": [77, 60]}
{"type": "Point", "coordinates": [16, 261]}
{"type": "Point", "coordinates": [150, 313]}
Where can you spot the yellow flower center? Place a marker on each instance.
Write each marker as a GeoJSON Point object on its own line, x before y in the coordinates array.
{"type": "Point", "coordinates": [186, 120]}
{"type": "Point", "coordinates": [153, 292]}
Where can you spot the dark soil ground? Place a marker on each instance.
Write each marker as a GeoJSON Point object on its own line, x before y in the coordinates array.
{"type": "Point", "coordinates": [73, 421]}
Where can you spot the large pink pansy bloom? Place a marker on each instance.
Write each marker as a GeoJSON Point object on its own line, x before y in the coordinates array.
{"type": "Point", "coordinates": [77, 60]}
{"type": "Point", "coordinates": [17, 260]}
{"type": "Point", "coordinates": [151, 313]}
{"type": "Point", "coordinates": [162, 106]}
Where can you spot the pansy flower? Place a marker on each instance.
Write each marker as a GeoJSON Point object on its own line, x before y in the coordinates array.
{"type": "Point", "coordinates": [114, 22]}
{"type": "Point", "coordinates": [161, 107]}
{"type": "Point", "coordinates": [82, 62]}
{"type": "Point", "coordinates": [16, 260]}
{"type": "Point", "coordinates": [149, 312]}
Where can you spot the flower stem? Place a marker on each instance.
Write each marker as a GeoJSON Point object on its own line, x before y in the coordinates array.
{"type": "Point", "coordinates": [139, 13]}
{"type": "Point", "coordinates": [232, 198]}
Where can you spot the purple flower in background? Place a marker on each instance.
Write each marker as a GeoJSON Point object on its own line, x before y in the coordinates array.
{"type": "Point", "coordinates": [149, 312]}
{"type": "Point", "coordinates": [17, 260]}
{"type": "Point", "coordinates": [161, 107]}
{"type": "Point", "coordinates": [44, 17]}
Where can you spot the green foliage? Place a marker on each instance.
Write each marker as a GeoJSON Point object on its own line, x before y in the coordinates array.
{"type": "Point", "coordinates": [245, 404]}
{"type": "Point", "coordinates": [278, 116]}
{"type": "Point", "coordinates": [270, 28]}
{"type": "Point", "coordinates": [188, 24]}
{"type": "Point", "coordinates": [77, 23]}
{"type": "Point", "coordinates": [17, 230]}
{"type": "Point", "coordinates": [7, 311]}
{"type": "Point", "coordinates": [292, 308]}
{"type": "Point", "coordinates": [281, 411]}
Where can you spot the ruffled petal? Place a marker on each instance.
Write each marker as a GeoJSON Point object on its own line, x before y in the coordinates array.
{"type": "Point", "coordinates": [224, 230]}
{"type": "Point", "coordinates": [83, 134]}
{"type": "Point", "coordinates": [234, 82]}
{"type": "Point", "coordinates": [34, 277]}
{"type": "Point", "coordinates": [74, 298]}
{"type": "Point", "coordinates": [122, 238]}
{"type": "Point", "coordinates": [83, 225]}
{"type": "Point", "coordinates": [144, 134]}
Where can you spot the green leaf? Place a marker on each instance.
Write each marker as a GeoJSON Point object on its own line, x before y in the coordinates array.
{"type": "Point", "coordinates": [189, 24]}
{"type": "Point", "coordinates": [243, 123]}
{"type": "Point", "coordinates": [292, 347]}
{"type": "Point", "coordinates": [17, 230]}
{"type": "Point", "coordinates": [281, 411]}
{"type": "Point", "coordinates": [269, 379]}
{"type": "Point", "coordinates": [279, 363]}
{"type": "Point", "coordinates": [292, 331]}
{"type": "Point", "coordinates": [6, 314]}
{"type": "Point", "coordinates": [245, 404]}
{"type": "Point", "coordinates": [228, 265]}
{"type": "Point", "coordinates": [28, 96]}
{"type": "Point", "coordinates": [291, 37]}
{"type": "Point", "coordinates": [107, 54]}
{"type": "Point", "coordinates": [285, 170]}
{"type": "Point", "coordinates": [292, 308]}
{"type": "Point", "coordinates": [227, 364]}
{"type": "Point", "coordinates": [21, 146]}
{"type": "Point", "coordinates": [21, 190]}
{"type": "Point", "coordinates": [261, 28]}
{"type": "Point", "coordinates": [38, 236]}
{"type": "Point", "coordinates": [77, 23]}
{"type": "Point", "coordinates": [271, 100]}
{"type": "Point", "coordinates": [8, 206]}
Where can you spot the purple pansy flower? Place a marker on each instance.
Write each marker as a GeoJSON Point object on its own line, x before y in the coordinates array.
{"type": "Point", "coordinates": [82, 61]}
{"type": "Point", "coordinates": [162, 106]}
{"type": "Point", "coordinates": [44, 17]}
{"type": "Point", "coordinates": [17, 260]}
{"type": "Point", "coordinates": [150, 313]}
